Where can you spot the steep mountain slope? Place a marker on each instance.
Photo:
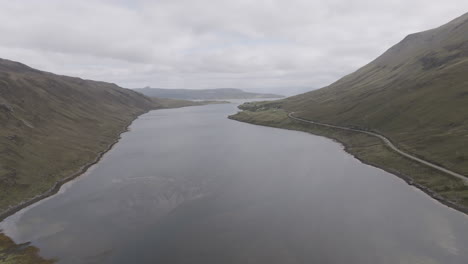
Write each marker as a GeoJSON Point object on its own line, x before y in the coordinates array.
{"type": "Point", "coordinates": [206, 94]}
{"type": "Point", "coordinates": [416, 93]}
{"type": "Point", "coordinates": [52, 125]}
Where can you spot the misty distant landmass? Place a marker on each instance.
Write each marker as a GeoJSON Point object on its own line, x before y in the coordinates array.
{"type": "Point", "coordinates": [204, 94]}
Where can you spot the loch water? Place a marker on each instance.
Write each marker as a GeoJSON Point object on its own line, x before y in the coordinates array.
{"type": "Point", "coordinates": [189, 185]}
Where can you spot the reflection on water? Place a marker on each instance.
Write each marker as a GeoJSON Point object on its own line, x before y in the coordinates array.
{"type": "Point", "coordinates": [190, 186]}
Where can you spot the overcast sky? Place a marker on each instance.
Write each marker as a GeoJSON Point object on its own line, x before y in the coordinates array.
{"type": "Point", "coordinates": [285, 46]}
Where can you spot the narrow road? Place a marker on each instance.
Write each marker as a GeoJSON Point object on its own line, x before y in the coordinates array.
{"type": "Point", "coordinates": [388, 143]}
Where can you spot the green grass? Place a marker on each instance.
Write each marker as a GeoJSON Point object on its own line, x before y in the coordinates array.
{"type": "Point", "coordinates": [369, 150]}
{"type": "Point", "coordinates": [11, 253]}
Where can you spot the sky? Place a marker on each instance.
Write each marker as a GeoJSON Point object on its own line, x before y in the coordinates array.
{"type": "Point", "coordinates": [283, 46]}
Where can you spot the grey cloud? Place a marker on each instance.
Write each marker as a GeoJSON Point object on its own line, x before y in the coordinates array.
{"type": "Point", "coordinates": [291, 45]}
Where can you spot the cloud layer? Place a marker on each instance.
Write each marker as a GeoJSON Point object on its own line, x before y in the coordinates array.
{"type": "Point", "coordinates": [285, 46]}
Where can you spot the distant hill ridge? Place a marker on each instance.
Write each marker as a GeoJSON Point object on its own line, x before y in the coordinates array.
{"type": "Point", "coordinates": [204, 94]}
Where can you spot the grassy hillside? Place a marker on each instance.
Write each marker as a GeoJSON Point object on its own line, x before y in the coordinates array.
{"type": "Point", "coordinates": [205, 94]}
{"type": "Point", "coordinates": [51, 126]}
{"type": "Point", "coordinates": [416, 94]}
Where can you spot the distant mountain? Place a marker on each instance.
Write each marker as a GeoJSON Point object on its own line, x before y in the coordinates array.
{"type": "Point", "coordinates": [52, 125]}
{"type": "Point", "coordinates": [206, 94]}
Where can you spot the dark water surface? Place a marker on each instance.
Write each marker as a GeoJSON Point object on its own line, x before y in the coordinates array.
{"type": "Point", "coordinates": [190, 186]}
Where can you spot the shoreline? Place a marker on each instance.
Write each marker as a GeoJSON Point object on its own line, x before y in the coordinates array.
{"type": "Point", "coordinates": [83, 169]}
{"type": "Point", "coordinates": [347, 148]}
{"type": "Point", "coordinates": [58, 184]}
{"type": "Point", "coordinates": [389, 144]}
{"type": "Point", "coordinates": [405, 178]}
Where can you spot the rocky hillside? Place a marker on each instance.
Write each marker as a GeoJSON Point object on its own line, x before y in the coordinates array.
{"type": "Point", "coordinates": [52, 125]}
